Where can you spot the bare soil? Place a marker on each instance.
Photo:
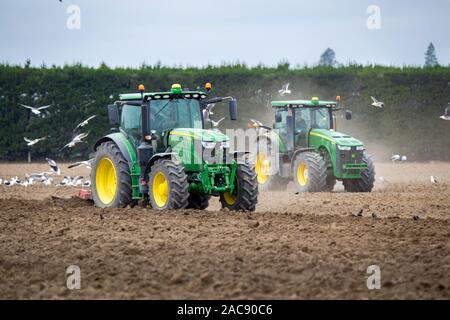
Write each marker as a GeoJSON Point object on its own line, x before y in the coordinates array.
{"type": "Point", "coordinates": [295, 246]}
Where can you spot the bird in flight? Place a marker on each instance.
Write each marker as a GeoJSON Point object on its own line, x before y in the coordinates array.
{"type": "Point", "coordinates": [87, 164]}
{"type": "Point", "coordinates": [216, 123]}
{"type": "Point", "coordinates": [377, 103]}
{"type": "Point", "coordinates": [284, 90]}
{"type": "Point", "coordinates": [53, 166]}
{"type": "Point", "coordinates": [36, 110]}
{"type": "Point", "coordinates": [84, 123]}
{"type": "Point", "coordinates": [33, 142]}
{"type": "Point", "coordinates": [77, 139]}
{"type": "Point", "coordinates": [446, 115]}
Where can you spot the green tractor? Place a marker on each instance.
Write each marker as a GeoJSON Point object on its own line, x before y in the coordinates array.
{"type": "Point", "coordinates": [162, 154]}
{"type": "Point", "coordinates": [305, 147]}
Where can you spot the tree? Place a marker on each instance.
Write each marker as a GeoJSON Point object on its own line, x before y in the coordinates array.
{"type": "Point", "coordinates": [328, 58]}
{"type": "Point", "coordinates": [430, 56]}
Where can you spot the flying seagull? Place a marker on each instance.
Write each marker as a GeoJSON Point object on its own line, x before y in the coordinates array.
{"type": "Point", "coordinates": [446, 115]}
{"type": "Point", "coordinates": [433, 180]}
{"type": "Point", "coordinates": [33, 142]}
{"type": "Point", "coordinates": [216, 123]}
{"type": "Point", "coordinates": [284, 90]}
{"type": "Point", "coordinates": [377, 103]}
{"type": "Point", "coordinates": [85, 122]}
{"type": "Point", "coordinates": [53, 166]}
{"type": "Point", "coordinates": [36, 110]}
{"type": "Point", "coordinates": [77, 139]}
{"type": "Point", "coordinates": [87, 164]}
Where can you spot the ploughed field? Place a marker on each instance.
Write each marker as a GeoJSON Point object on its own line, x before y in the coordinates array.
{"type": "Point", "coordinates": [294, 246]}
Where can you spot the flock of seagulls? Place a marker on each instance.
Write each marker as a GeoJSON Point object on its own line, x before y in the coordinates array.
{"type": "Point", "coordinates": [46, 179]}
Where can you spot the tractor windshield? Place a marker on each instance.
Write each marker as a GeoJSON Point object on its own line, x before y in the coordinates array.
{"type": "Point", "coordinates": [312, 118]}
{"type": "Point", "coordinates": [175, 113]}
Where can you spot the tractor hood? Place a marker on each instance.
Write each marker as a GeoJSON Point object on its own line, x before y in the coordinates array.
{"type": "Point", "coordinates": [335, 137]}
{"type": "Point", "coordinates": [200, 134]}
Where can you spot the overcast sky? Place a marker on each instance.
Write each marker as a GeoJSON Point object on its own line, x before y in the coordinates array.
{"type": "Point", "coordinates": [196, 32]}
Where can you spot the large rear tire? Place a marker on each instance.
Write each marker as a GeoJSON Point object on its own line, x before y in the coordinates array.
{"type": "Point", "coordinates": [245, 195]}
{"type": "Point", "coordinates": [365, 184]}
{"type": "Point", "coordinates": [110, 177]}
{"type": "Point", "coordinates": [267, 176]}
{"type": "Point", "coordinates": [309, 172]}
{"type": "Point", "coordinates": [168, 186]}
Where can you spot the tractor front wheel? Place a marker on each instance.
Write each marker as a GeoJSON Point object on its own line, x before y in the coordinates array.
{"type": "Point", "coordinates": [309, 172]}
{"type": "Point", "coordinates": [245, 194]}
{"type": "Point", "coordinates": [168, 186]}
{"type": "Point", "coordinates": [365, 184]}
{"type": "Point", "coordinates": [110, 177]}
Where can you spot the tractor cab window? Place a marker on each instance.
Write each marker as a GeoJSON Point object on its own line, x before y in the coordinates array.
{"type": "Point", "coordinates": [321, 118]}
{"type": "Point", "coordinates": [303, 120]}
{"type": "Point", "coordinates": [131, 121]}
{"type": "Point", "coordinates": [176, 113]}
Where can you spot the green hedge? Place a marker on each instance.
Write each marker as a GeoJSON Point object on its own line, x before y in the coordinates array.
{"type": "Point", "coordinates": [409, 124]}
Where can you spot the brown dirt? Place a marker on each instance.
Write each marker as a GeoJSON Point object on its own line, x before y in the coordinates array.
{"type": "Point", "coordinates": [294, 246]}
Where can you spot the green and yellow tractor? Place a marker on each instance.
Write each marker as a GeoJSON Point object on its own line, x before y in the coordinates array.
{"type": "Point", "coordinates": [303, 146]}
{"type": "Point", "coordinates": [161, 154]}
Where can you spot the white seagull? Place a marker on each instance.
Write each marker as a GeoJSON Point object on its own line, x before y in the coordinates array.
{"type": "Point", "coordinates": [36, 110]}
{"type": "Point", "coordinates": [76, 181]}
{"type": "Point", "coordinates": [85, 122]}
{"type": "Point", "coordinates": [377, 103]}
{"type": "Point", "coordinates": [66, 181]}
{"type": "Point", "coordinates": [33, 142]}
{"type": "Point", "coordinates": [284, 90]}
{"type": "Point", "coordinates": [216, 123]}
{"type": "Point", "coordinates": [446, 115]}
{"type": "Point", "coordinates": [433, 180]}
{"type": "Point", "coordinates": [77, 139]}
{"type": "Point", "coordinates": [87, 164]}
{"type": "Point", "coordinates": [53, 166]}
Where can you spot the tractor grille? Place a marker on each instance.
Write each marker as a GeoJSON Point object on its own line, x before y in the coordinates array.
{"type": "Point", "coordinates": [352, 156]}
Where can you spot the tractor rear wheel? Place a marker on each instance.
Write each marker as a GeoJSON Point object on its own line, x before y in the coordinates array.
{"type": "Point", "coordinates": [309, 172]}
{"type": "Point", "coordinates": [245, 194]}
{"type": "Point", "coordinates": [110, 177]}
{"type": "Point", "coordinates": [168, 186]}
{"type": "Point", "coordinates": [365, 184]}
{"type": "Point", "coordinates": [198, 201]}
{"type": "Point", "coordinates": [268, 178]}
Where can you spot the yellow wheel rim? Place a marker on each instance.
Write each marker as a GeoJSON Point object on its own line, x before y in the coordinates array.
{"type": "Point", "coordinates": [229, 198]}
{"type": "Point", "coordinates": [160, 189]}
{"type": "Point", "coordinates": [302, 174]}
{"type": "Point", "coordinates": [262, 167]}
{"type": "Point", "coordinates": [106, 181]}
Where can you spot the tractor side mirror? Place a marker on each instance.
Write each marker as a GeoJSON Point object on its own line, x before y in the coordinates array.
{"type": "Point", "coordinates": [348, 115]}
{"type": "Point", "coordinates": [278, 117]}
{"type": "Point", "coordinates": [232, 105]}
{"type": "Point", "coordinates": [113, 114]}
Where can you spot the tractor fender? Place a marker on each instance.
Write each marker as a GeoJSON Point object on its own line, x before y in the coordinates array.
{"type": "Point", "coordinates": [298, 151]}
{"type": "Point", "coordinates": [156, 157]}
{"type": "Point", "coordinates": [120, 140]}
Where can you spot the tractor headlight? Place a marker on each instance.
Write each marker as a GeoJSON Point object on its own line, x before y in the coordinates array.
{"type": "Point", "coordinates": [344, 148]}
{"type": "Point", "coordinates": [360, 148]}
{"type": "Point", "coordinates": [208, 144]}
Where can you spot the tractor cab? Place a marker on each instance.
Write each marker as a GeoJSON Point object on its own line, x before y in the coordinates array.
{"type": "Point", "coordinates": [296, 120]}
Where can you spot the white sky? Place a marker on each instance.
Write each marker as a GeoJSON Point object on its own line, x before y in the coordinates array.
{"type": "Point", "coordinates": [196, 32]}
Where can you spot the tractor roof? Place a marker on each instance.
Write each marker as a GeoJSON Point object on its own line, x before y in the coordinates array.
{"type": "Point", "coordinates": [163, 95]}
{"type": "Point", "coordinates": [304, 103]}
